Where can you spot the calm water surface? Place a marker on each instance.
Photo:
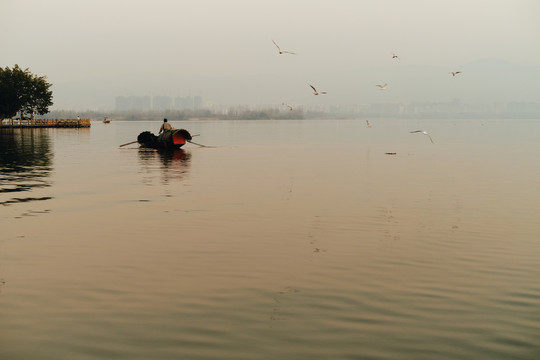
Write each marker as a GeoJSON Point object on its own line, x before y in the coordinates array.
{"type": "Point", "coordinates": [287, 240]}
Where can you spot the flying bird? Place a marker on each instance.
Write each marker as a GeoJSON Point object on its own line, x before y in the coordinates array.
{"type": "Point", "coordinates": [316, 92]}
{"type": "Point", "coordinates": [394, 56]}
{"type": "Point", "coordinates": [283, 51]}
{"type": "Point", "coordinates": [423, 132]}
{"type": "Point", "coordinates": [289, 106]}
{"type": "Point", "coordinates": [454, 73]}
{"type": "Point", "coordinates": [383, 87]}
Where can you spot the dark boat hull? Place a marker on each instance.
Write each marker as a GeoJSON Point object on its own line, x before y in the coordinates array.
{"type": "Point", "coordinates": [169, 139]}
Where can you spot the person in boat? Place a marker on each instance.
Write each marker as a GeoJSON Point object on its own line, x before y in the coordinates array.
{"type": "Point", "coordinates": [165, 126]}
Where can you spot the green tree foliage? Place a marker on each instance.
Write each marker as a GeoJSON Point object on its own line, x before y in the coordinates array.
{"type": "Point", "coordinates": [21, 91]}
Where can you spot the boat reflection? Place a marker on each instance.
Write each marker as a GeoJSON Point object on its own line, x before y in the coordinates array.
{"type": "Point", "coordinates": [25, 164]}
{"type": "Point", "coordinates": [170, 164]}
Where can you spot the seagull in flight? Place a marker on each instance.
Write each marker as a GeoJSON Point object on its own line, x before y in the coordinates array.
{"type": "Point", "coordinates": [454, 73]}
{"type": "Point", "coordinates": [289, 106]}
{"type": "Point", "coordinates": [282, 51]}
{"type": "Point", "coordinates": [316, 92]}
{"type": "Point", "coordinates": [394, 56]}
{"type": "Point", "coordinates": [383, 87]}
{"type": "Point", "coordinates": [423, 132]}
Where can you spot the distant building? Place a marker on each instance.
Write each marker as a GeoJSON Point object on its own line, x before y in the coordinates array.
{"type": "Point", "coordinates": [188, 103]}
{"type": "Point", "coordinates": [161, 103]}
{"type": "Point", "coordinates": [197, 103]}
{"type": "Point", "coordinates": [183, 103]}
{"type": "Point", "coordinates": [158, 103]}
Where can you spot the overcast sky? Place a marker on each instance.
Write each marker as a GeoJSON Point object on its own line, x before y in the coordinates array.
{"type": "Point", "coordinates": [75, 43]}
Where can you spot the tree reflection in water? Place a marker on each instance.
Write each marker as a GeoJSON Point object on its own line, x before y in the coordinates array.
{"type": "Point", "coordinates": [169, 165]}
{"type": "Point", "coordinates": [25, 164]}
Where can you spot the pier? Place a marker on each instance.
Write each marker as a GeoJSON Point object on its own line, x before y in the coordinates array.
{"type": "Point", "coordinates": [44, 123]}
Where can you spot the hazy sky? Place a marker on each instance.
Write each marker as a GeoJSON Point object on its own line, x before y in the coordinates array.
{"type": "Point", "coordinates": [92, 49]}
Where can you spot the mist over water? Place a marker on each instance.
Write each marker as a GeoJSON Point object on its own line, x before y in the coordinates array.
{"type": "Point", "coordinates": [288, 240]}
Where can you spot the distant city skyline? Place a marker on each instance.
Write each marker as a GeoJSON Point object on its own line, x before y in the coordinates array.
{"type": "Point", "coordinates": [139, 107]}
{"type": "Point", "coordinates": [158, 102]}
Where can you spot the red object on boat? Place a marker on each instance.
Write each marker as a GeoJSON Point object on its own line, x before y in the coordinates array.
{"type": "Point", "coordinates": [178, 139]}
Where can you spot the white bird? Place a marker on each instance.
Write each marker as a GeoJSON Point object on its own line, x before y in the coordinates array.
{"type": "Point", "coordinates": [367, 123]}
{"type": "Point", "coordinates": [383, 87]}
{"type": "Point", "coordinates": [454, 73]}
{"type": "Point", "coordinates": [423, 132]}
{"type": "Point", "coordinates": [282, 52]}
{"type": "Point", "coordinates": [316, 92]}
{"type": "Point", "coordinates": [289, 106]}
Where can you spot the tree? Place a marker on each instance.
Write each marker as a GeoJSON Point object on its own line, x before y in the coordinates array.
{"type": "Point", "coordinates": [21, 91]}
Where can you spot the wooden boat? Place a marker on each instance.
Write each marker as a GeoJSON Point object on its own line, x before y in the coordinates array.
{"type": "Point", "coordinates": [106, 120]}
{"type": "Point", "coordinates": [169, 139]}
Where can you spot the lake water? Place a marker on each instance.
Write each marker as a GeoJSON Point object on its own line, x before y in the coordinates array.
{"type": "Point", "coordinates": [287, 240]}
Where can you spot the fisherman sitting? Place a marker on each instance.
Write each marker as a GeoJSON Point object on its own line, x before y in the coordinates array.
{"type": "Point", "coordinates": [165, 126]}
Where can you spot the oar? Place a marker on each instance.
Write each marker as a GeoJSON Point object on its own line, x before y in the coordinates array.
{"type": "Point", "coordinates": [201, 145]}
{"type": "Point", "coordinates": [133, 142]}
